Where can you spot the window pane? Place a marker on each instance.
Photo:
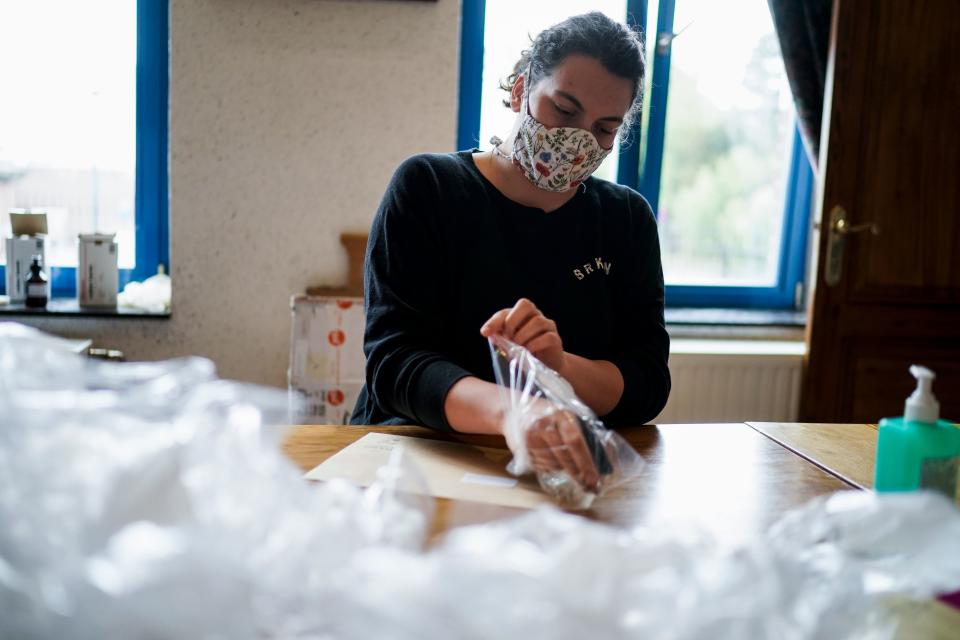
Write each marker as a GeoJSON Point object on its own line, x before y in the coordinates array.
{"type": "Point", "coordinates": [67, 119]}
{"type": "Point", "coordinates": [509, 25]}
{"type": "Point", "coordinates": [727, 146]}
{"type": "Point", "coordinates": [649, 42]}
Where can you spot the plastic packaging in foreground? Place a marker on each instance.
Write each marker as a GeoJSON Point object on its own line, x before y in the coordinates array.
{"type": "Point", "coordinates": [553, 433]}
{"type": "Point", "coordinates": [153, 501]}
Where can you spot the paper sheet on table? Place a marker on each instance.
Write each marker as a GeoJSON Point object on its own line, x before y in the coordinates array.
{"type": "Point", "coordinates": [451, 469]}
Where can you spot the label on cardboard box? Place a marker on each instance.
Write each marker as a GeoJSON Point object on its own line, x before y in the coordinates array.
{"type": "Point", "coordinates": [326, 341]}
{"type": "Point", "coordinates": [333, 404]}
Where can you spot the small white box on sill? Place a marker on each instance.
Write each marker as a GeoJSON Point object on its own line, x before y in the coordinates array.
{"type": "Point", "coordinates": [97, 272]}
{"type": "Point", "coordinates": [28, 240]}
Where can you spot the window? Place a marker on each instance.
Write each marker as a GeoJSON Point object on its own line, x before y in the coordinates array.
{"type": "Point", "coordinates": [83, 127]}
{"type": "Point", "coordinates": [717, 152]}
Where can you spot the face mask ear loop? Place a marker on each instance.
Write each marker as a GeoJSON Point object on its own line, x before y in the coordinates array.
{"type": "Point", "coordinates": [496, 141]}
{"type": "Point", "coordinates": [526, 93]}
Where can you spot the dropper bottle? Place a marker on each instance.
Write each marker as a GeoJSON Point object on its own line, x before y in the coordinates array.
{"type": "Point", "coordinates": [36, 285]}
{"type": "Point", "coordinates": [918, 451]}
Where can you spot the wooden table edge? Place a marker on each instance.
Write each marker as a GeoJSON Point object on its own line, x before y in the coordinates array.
{"type": "Point", "coordinates": [937, 616]}
{"type": "Point", "coordinates": [809, 457]}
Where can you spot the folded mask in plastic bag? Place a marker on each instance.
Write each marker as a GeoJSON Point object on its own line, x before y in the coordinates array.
{"type": "Point", "coordinates": [552, 433]}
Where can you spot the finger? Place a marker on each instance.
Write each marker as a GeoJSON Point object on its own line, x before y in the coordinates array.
{"type": "Point", "coordinates": [551, 435]}
{"type": "Point", "coordinates": [494, 324]}
{"type": "Point", "coordinates": [541, 454]}
{"type": "Point", "coordinates": [521, 312]}
{"type": "Point", "coordinates": [572, 436]}
{"type": "Point", "coordinates": [535, 326]}
{"type": "Point", "coordinates": [549, 340]}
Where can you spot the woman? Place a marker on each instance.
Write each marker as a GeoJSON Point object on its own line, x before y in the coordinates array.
{"type": "Point", "coordinates": [521, 241]}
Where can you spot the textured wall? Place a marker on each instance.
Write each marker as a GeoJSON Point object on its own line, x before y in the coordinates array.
{"type": "Point", "coordinates": [287, 119]}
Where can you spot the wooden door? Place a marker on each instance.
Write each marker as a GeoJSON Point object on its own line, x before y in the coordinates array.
{"type": "Point", "coordinates": [890, 156]}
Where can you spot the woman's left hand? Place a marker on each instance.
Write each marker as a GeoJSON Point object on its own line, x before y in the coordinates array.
{"type": "Point", "coordinates": [526, 326]}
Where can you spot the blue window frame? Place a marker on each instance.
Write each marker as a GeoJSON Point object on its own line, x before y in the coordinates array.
{"type": "Point", "coordinates": [644, 174]}
{"type": "Point", "coordinates": [151, 213]}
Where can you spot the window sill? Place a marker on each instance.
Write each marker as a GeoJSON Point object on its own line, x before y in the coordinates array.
{"type": "Point", "coordinates": [736, 317]}
{"type": "Point", "coordinates": [734, 347]}
{"type": "Point", "coordinates": [60, 307]}
{"type": "Point", "coordinates": [735, 324]}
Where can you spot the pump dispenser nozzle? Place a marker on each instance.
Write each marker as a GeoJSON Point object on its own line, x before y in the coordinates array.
{"type": "Point", "coordinates": [922, 406]}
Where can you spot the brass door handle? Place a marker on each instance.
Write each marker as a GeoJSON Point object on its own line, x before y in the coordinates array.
{"type": "Point", "coordinates": [841, 226]}
{"type": "Point", "coordinates": [839, 229]}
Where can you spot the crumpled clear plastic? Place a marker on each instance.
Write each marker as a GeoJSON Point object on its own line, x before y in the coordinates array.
{"type": "Point", "coordinates": [547, 426]}
{"type": "Point", "coordinates": [906, 543]}
{"type": "Point", "coordinates": [555, 575]}
{"type": "Point", "coordinates": [153, 501]}
{"type": "Point", "coordinates": [152, 295]}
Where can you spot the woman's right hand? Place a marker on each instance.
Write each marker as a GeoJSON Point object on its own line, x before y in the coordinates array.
{"type": "Point", "coordinates": [545, 437]}
{"type": "Point", "coordinates": [555, 442]}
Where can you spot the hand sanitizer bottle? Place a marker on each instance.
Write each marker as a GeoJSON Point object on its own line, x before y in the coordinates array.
{"type": "Point", "coordinates": [918, 451]}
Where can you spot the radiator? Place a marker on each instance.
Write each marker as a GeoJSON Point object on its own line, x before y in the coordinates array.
{"type": "Point", "coordinates": [733, 381]}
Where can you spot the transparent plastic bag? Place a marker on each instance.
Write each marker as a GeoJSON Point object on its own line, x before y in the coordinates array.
{"type": "Point", "coordinates": [906, 543]}
{"type": "Point", "coordinates": [153, 500]}
{"type": "Point", "coordinates": [572, 578]}
{"type": "Point", "coordinates": [553, 433]}
{"type": "Point", "coordinates": [824, 571]}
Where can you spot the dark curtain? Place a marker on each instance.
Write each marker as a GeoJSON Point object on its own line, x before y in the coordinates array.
{"type": "Point", "coordinates": [803, 29]}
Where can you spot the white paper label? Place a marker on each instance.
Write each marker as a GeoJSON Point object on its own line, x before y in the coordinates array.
{"type": "Point", "coordinates": [36, 290]}
{"type": "Point", "coordinates": [489, 481]}
{"type": "Point", "coordinates": [940, 474]}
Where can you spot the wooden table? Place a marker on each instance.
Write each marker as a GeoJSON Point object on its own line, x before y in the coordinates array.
{"type": "Point", "coordinates": [730, 480]}
{"type": "Point", "coordinates": [727, 479]}
{"type": "Point", "coordinates": [846, 451]}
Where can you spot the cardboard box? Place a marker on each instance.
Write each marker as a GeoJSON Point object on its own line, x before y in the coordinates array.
{"type": "Point", "coordinates": [326, 357]}
{"type": "Point", "coordinates": [98, 277]}
{"type": "Point", "coordinates": [28, 239]}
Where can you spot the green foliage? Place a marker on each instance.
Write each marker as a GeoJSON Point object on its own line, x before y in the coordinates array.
{"type": "Point", "coordinates": [723, 177]}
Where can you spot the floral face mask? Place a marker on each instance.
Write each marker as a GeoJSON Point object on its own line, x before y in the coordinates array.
{"type": "Point", "coordinates": [554, 159]}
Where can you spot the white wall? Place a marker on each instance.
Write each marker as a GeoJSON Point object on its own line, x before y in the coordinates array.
{"type": "Point", "coordinates": [287, 118]}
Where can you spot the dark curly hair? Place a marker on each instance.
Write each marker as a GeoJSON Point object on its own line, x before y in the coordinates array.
{"type": "Point", "coordinates": [617, 47]}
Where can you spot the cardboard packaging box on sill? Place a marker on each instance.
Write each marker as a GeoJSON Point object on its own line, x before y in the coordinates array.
{"type": "Point", "coordinates": [28, 238]}
{"type": "Point", "coordinates": [97, 270]}
{"type": "Point", "coordinates": [326, 357]}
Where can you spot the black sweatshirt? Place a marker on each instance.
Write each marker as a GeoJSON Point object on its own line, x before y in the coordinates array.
{"type": "Point", "coordinates": [447, 250]}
